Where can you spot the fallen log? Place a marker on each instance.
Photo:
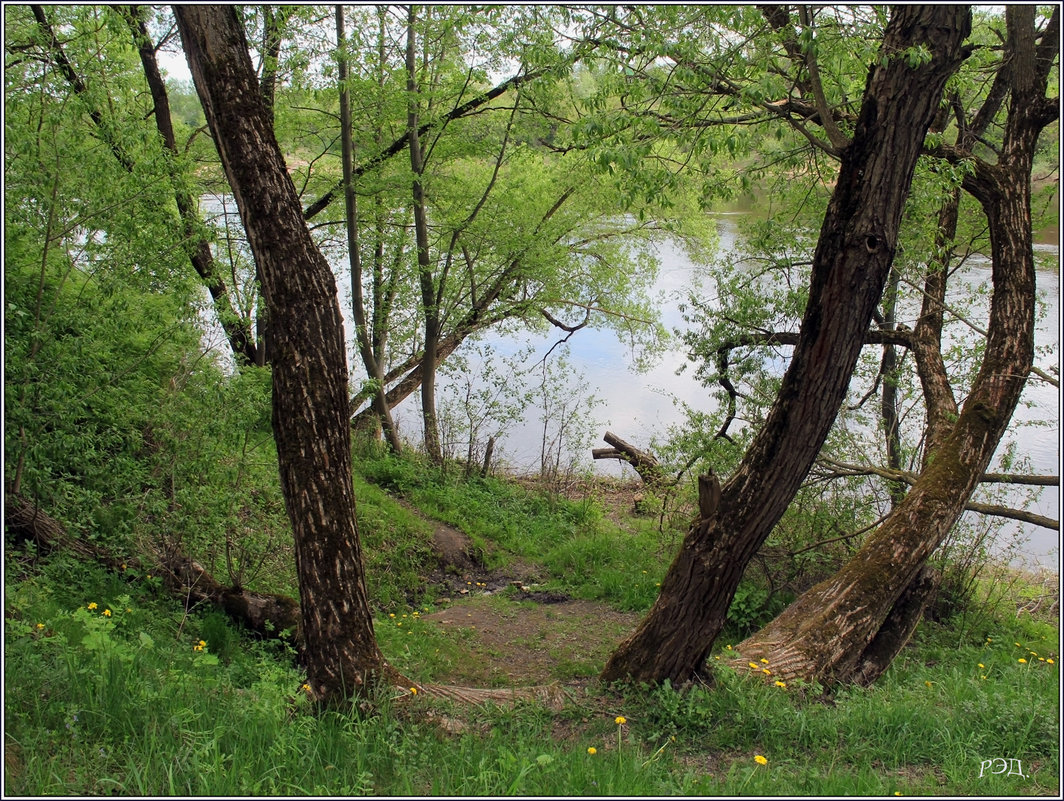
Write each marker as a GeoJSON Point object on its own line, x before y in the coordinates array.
{"type": "Point", "coordinates": [645, 464]}
{"type": "Point", "coordinates": [266, 614]}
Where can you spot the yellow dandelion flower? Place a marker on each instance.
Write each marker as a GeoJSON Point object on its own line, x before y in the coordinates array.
{"type": "Point", "coordinates": [413, 690]}
{"type": "Point", "coordinates": [1033, 653]}
{"type": "Point", "coordinates": [727, 647]}
{"type": "Point", "coordinates": [717, 656]}
{"type": "Point", "coordinates": [982, 665]}
{"type": "Point", "coordinates": [305, 688]}
{"type": "Point", "coordinates": [591, 749]}
{"type": "Point", "coordinates": [983, 678]}
{"type": "Point", "coordinates": [753, 665]}
{"type": "Point", "coordinates": [620, 720]}
{"type": "Point", "coordinates": [92, 605]}
{"type": "Point", "coordinates": [40, 625]}
{"type": "Point", "coordinates": [1022, 661]}
{"type": "Point", "coordinates": [766, 671]}
{"type": "Point", "coordinates": [149, 575]}
{"type": "Point", "coordinates": [760, 760]}
{"type": "Point", "coordinates": [764, 661]}
{"type": "Point", "coordinates": [1050, 661]}
{"type": "Point", "coordinates": [927, 683]}
{"type": "Point", "coordinates": [1017, 645]}
{"type": "Point", "coordinates": [391, 614]}
{"type": "Point", "coordinates": [781, 683]}
{"type": "Point", "coordinates": [106, 612]}
{"type": "Point", "coordinates": [123, 565]}
{"type": "Point", "coordinates": [1041, 659]}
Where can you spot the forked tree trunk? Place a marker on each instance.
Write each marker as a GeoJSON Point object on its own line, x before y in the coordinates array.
{"type": "Point", "coordinates": [829, 631]}
{"type": "Point", "coordinates": [850, 267]}
{"type": "Point", "coordinates": [310, 400]}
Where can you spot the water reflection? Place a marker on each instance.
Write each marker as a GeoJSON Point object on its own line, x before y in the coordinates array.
{"type": "Point", "coordinates": [638, 406]}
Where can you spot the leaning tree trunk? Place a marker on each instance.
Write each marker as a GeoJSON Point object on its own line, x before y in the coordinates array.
{"type": "Point", "coordinates": [310, 400]}
{"type": "Point", "coordinates": [850, 267]}
{"type": "Point", "coordinates": [830, 633]}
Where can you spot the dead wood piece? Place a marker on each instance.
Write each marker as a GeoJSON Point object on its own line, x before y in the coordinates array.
{"type": "Point", "coordinates": [266, 614]}
{"type": "Point", "coordinates": [553, 695]}
{"type": "Point", "coordinates": [645, 464]}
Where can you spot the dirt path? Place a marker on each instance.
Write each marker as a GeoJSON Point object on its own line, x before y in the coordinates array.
{"type": "Point", "coordinates": [515, 633]}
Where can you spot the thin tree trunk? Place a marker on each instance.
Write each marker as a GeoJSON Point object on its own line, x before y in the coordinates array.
{"type": "Point", "coordinates": [850, 267]}
{"type": "Point", "coordinates": [430, 306]}
{"type": "Point", "coordinates": [825, 632]}
{"type": "Point", "coordinates": [358, 306]}
{"type": "Point", "coordinates": [310, 400]}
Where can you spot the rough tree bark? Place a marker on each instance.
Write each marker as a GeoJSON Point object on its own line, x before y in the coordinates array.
{"type": "Point", "coordinates": [834, 631]}
{"type": "Point", "coordinates": [311, 408]}
{"type": "Point", "coordinates": [850, 267]}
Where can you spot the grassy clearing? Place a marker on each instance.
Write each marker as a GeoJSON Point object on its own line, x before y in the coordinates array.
{"type": "Point", "coordinates": [111, 688]}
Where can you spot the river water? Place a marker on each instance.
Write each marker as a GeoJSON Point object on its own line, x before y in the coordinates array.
{"type": "Point", "coordinates": [638, 406]}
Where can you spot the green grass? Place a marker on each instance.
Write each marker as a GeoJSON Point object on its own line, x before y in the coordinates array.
{"type": "Point", "coordinates": [128, 703]}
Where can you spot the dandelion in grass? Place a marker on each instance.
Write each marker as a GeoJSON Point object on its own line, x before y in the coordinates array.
{"type": "Point", "coordinates": [92, 605]}
{"type": "Point", "coordinates": [764, 661]}
{"type": "Point", "coordinates": [200, 645]}
{"type": "Point", "coordinates": [766, 671]}
{"type": "Point", "coordinates": [1050, 661]}
{"type": "Point", "coordinates": [40, 626]}
{"type": "Point", "coordinates": [782, 684]}
{"type": "Point", "coordinates": [760, 760]}
{"type": "Point", "coordinates": [413, 690]}
{"type": "Point", "coordinates": [592, 750]}
{"type": "Point", "coordinates": [753, 665]}
{"type": "Point", "coordinates": [306, 688]}
{"type": "Point", "coordinates": [1022, 661]}
{"type": "Point", "coordinates": [982, 665]}
{"type": "Point", "coordinates": [106, 612]}
{"type": "Point", "coordinates": [727, 647]}
{"type": "Point", "coordinates": [620, 720]}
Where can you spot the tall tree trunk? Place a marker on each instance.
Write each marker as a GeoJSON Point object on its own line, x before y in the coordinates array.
{"type": "Point", "coordinates": [850, 267]}
{"type": "Point", "coordinates": [358, 305]}
{"type": "Point", "coordinates": [832, 631]}
{"type": "Point", "coordinates": [430, 306]}
{"type": "Point", "coordinates": [310, 400]}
